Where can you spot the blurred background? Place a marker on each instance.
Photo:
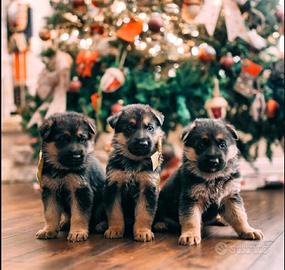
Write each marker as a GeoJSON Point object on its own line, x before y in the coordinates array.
{"type": "Point", "coordinates": [188, 59]}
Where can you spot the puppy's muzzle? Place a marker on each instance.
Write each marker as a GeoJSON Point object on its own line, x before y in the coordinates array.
{"type": "Point", "coordinates": [140, 147]}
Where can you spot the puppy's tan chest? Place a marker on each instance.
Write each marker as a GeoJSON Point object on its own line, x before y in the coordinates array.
{"type": "Point", "coordinates": [214, 192]}
{"type": "Point", "coordinates": [70, 182]}
{"type": "Point", "coordinates": [124, 177]}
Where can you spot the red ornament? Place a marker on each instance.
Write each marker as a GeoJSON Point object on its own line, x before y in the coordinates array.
{"type": "Point", "coordinates": [251, 68]}
{"type": "Point", "coordinates": [85, 61]}
{"type": "Point", "coordinates": [206, 53]}
{"type": "Point", "coordinates": [155, 22]}
{"type": "Point", "coordinates": [227, 61]}
{"type": "Point", "coordinates": [271, 108]}
{"type": "Point", "coordinates": [117, 107]}
{"type": "Point", "coordinates": [95, 99]}
{"type": "Point", "coordinates": [75, 85]}
{"type": "Point", "coordinates": [130, 30]}
{"type": "Point", "coordinates": [96, 29]}
{"type": "Point", "coordinates": [45, 34]}
{"type": "Point", "coordinates": [102, 3]}
{"type": "Point", "coordinates": [78, 3]}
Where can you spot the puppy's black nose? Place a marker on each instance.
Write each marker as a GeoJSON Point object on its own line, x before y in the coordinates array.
{"type": "Point", "coordinates": [214, 162]}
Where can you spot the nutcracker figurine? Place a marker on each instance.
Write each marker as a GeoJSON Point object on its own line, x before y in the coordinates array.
{"type": "Point", "coordinates": [19, 32]}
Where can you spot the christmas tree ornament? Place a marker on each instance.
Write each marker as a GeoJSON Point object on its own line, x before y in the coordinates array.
{"type": "Point", "coordinates": [244, 83]}
{"type": "Point", "coordinates": [56, 84]}
{"type": "Point", "coordinates": [45, 34]}
{"type": "Point", "coordinates": [271, 108]}
{"type": "Point", "coordinates": [155, 22]}
{"type": "Point", "coordinates": [78, 3]}
{"type": "Point", "coordinates": [129, 31]}
{"type": "Point", "coordinates": [227, 61]}
{"type": "Point", "coordinates": [217, 106]}
{"type": "Point", "coordinates": [75, 84]}
{"type": "Point", "coordinates": [190, 9]}
{"type": "Point", "coordinates": [112, 80]}
{"type": "Point", "coordinates": [95, 100]}
{"type": "Point", "coordinates": [117, 106]}
{"type": "Point", "coordinates": [85, 61]}
{"type": "Point", "coordinates": [97, 28]}
{"type": "Point", "coordinates": [206, 53]}
{"type": "Point", "coordinates": [102, 3]}
{"type": "Point", "coordinates": [19, 32]}
{"type": "Point", "coordinates": [258, 107]}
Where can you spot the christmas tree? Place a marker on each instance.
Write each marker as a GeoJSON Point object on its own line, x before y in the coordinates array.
{"type": "Point", "coordinates": [187, 59]}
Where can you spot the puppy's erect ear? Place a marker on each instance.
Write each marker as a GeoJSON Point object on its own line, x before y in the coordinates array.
{"type": "Point", "coordinates": [113, 120]}
{"type": "Point", "coordinates": [186, 131]}
{"type": "Point", "coordinates": [233, 131]}
{"type": "Point", "coordinates": [158, 115]}
{"type": "Point", "coordinates": [46, 128]}
{"type": "Point", "coordinates": [91, 124]}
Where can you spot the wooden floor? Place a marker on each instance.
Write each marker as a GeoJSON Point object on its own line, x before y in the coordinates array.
{"type": "Point", "coordinates": [221, 249]}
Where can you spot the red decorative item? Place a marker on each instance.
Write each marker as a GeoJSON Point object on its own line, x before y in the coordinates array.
{"type": "Point", "coordinates": [85, 61]}
{"type": "Point", "coordinates": [217, 106]}
{"type": "Point", "coordinates": [78, 3]}
{"type": "Point", "coordinates": [271, 108]}
{"type": "Point", "coordinates": [206, 53]}
{"type": "Point", "coordinates": [117, 107]}
{"type": "Point", "coordinates": [95, 98]}
{"type": "Point", "coordinates": [112, 80]}
{"type": "Point", "coordinates": [75, 85]}
{"type": "Point", "coordinates": [102, 3]}
{"type": "Point", "coordinates": [96, 29]}
{"type": "Point", "coordinates": [251, 68]}
{"type": "Point", "coordinates": [45, 34]}
{"type": "Point", "coordinates": [190, 9]}
{"type": "Point", "coordinates": [155, 22]}
{"type": "Point", "coordinates": [227, 61]}
{"type": "Point", "coordinates": [130, 30]}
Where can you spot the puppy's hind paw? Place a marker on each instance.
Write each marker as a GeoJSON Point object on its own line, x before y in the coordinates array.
{"type": "Point", "coordinates": [46, 234]}
{"type": "Point", "coordinates": [114, 233]}
{"type": "Point", "coordinates": [143, 235]}
{"type": "Point", "coordinates": [252, 234]}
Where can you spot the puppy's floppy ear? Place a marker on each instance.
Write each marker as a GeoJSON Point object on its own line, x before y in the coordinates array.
{"type": "Point", "coordinates": [233, 131]}
{"type": "Point", "coordinates": [91, 124]}
{"type": "Point", "coordinates": [113, 120]}
{"type": "Point", "coordinates": [158, 115]}
{"type": "Point", "coordinates": [186, 131]}
{"type": "Point", "coordinates": [46, 128]}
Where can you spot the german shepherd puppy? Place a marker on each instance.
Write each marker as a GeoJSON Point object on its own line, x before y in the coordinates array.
{"type": "Point", "coordinates": [72, 178]}
{"type": "Point", "coordinates": [206, 184]}
{"type": "Point", "coordinates": [131, 189]}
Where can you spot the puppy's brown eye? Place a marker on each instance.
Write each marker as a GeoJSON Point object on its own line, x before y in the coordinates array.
{"type": "Point", "coordinates": [222, 145]}
{"type": "Point", "coordinates": [82, 139]}
{"type": "Point", "coordinates": [131, 127]}
{"type": "Point", "coordinates": [150, 128]}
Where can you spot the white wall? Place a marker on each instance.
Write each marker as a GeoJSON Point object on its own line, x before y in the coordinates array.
{"type": "Point", "coordinates": [40, 9]}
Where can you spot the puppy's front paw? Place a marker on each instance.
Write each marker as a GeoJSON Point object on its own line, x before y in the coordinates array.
{"type": "Point", "coordinates": [77, 236]}
{"type": "Point", "coordinates": [114, 233]}
{"type": "Point", "coordinates": [46, 234]}
{"type": "Point", "coordinates": [143, 235]}
{"type": "Point", "coordinates": [189, 238]}
{"type": "Point", "coordinates": [251, 234]}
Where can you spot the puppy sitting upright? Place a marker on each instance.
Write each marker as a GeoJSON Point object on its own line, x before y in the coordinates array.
{"type": "Point", "coordinates": [131, 189]}
{"type": "Point", "coordinates": [72, 178]}
{"type": "Point", "coordinates": [205, 185]}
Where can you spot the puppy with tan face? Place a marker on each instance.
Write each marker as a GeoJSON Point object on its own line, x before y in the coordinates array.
{"type": "Point", "coordinates": [206, 185]}
{"type": "Point", "coordinates": [72, 178]}
{"type": "Point", "coordinates": [131, 189]}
